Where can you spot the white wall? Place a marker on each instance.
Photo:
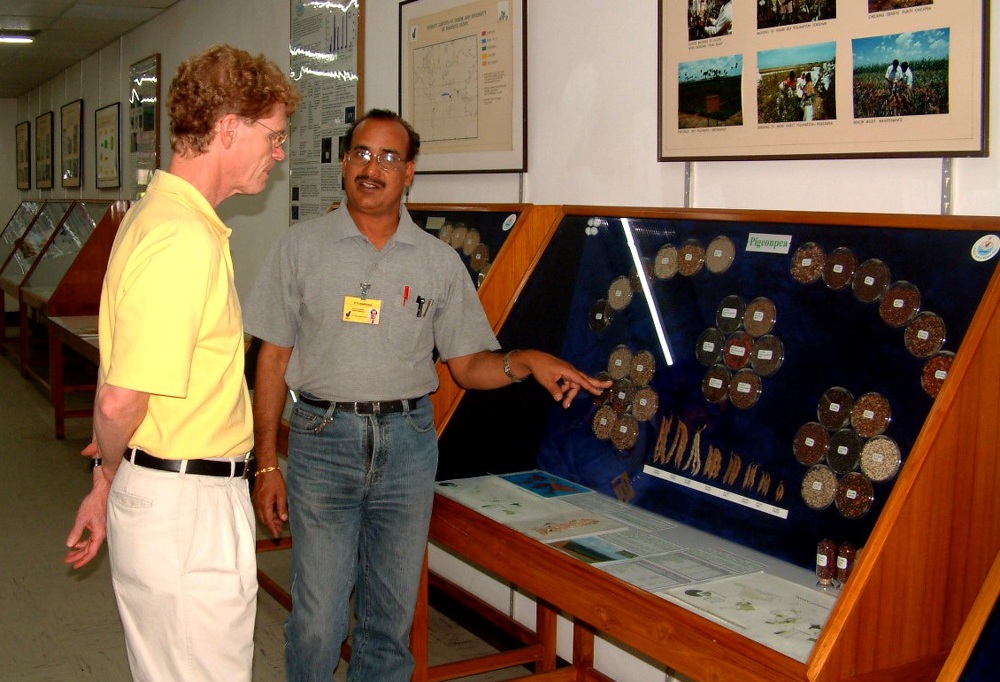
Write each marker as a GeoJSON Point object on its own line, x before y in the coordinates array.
{"type": "Point", "coordinates": [592, 139]}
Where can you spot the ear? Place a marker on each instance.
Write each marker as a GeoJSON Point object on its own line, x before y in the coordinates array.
{"type": "Point", "coordinates": [226, 130]}
{"type": "Point", "coordinates": [411, 168]}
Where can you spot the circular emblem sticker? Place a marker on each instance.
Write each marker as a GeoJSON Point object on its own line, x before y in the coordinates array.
{"type": "Point", "coordinates": [985, 247]}
{"type": "Point", "coordinates": [508, 222]}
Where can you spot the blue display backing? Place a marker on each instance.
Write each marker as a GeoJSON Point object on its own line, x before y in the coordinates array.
{"type": "Point", "coordinates": [830, 339]}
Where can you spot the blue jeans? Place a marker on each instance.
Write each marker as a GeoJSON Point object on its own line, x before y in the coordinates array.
{"type": "Point", "coordinates": [360, 491]}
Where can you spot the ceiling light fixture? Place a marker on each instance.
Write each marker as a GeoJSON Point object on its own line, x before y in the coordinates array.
{"type": "Point", "coordinates": [20, 37]}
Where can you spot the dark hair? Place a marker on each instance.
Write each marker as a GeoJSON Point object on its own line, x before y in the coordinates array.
{"type": "Point", "coordinates": [223, 80]}
{"type": "Point", "coordinates": [413, 147]}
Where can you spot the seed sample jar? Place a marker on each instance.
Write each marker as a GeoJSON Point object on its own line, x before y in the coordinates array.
{"type": "Point", "coordinates": [729, 315]}
{"type": "Point", "coordinates": [936, 371]}
{"type": "Point", "coordinates": [715, 385]}
{"type": "Point", "coordinates": [854, 496]}
{"type": "Point", "coordinates": [826, 558]}
{"type": "Point", "coordinates": [807, 263]}
{"type": "Point", "coordinates": [871, 279]}
{"type": "Point", "coordinates": [834, 409]}
{"type": "Point", "coordinates": [845, 451]}
{"type": "Point", "coordinates": [768, 355]}
{"type": "Point", "coordinates": [744, 389]}
{"type": "Point", "coordinates": [710, 346]}
{"type": "Point", "coordinates": [846, 555]}
{"type": "Point", "coordinates": [819, 487]}
{"type": "Point", "coordinates": [760, 316]}
{"type": "Point", "coordinates": [924, 334]}
{"type": "Point", "coordinates": [665, 265]}
{"type": "Point", "coordinates": [811, 443]}
{"type": "Point", "coordinates": [720, 254]}
{"type": "Point", "coordinates": [871, 414]}
{"type": "Point", "coordinates": [880, 458]}
{"type": "Point", "coordinates": [838, 270]}
{"type": "Point", "coordinates": [691, 258]}
{"type": "Point", "coordinates": [899, 304]}
{"type": "Point", "coordinates": [739, 347]}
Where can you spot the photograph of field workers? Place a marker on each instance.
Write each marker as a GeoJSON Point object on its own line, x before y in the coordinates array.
{"type": "Point", "coordinates": [797, 83]}
{"type": "Point", "coordinates": [905, 74]}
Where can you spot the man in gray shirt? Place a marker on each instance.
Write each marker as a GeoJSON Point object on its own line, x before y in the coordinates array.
{"type": "Point", "coordinates": [350, 308]}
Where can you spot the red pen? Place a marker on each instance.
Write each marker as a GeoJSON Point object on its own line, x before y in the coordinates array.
{"type": "Point", "coordinates": [406, 294]}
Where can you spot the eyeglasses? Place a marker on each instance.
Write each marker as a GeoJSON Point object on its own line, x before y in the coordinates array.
{"type": "Point", "coordinates": [277, 139]}
{"type": "Point", "coordinates": [387, 161]}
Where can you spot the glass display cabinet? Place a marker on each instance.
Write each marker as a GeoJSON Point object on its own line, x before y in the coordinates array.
{"type": "Point", "coordinates": [28, 247]}
{"type": "Point", "coordinates": [12, 233]}
{"type": "Point", "coordinates": [785, 385]}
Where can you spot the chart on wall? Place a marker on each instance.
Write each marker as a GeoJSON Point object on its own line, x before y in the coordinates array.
{"type": "Point", "coordinates": [327, 40]}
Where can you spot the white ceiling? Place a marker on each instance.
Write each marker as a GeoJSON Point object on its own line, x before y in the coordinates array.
{"type": "Point", "coordinates": [68, 31]}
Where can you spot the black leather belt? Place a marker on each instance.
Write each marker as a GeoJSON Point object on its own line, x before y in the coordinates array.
{"type": "Point", "coordinates": [375, 407]}
{"type": "Point", "coordinates": [200, 467]}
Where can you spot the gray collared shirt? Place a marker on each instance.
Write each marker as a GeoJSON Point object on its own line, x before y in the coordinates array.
{"type": "Point", "coordinates": [299, 296]}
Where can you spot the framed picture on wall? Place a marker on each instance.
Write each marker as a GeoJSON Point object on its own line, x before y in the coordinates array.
{"type": "Point", "coordinates": [775, 79]}
{"type": "Point", "coordinates": [43, 151]}
{"type": "Point", "coordinates": [71, 144]}
{"type": "Point", "coordinates": [462, 77]}
{"type": "Point", "coordinates": [107, 154]}
{"type": "Point", "coordinates": [22, 154]}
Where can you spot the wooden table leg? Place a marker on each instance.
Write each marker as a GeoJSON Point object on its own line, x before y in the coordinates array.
{"type": "Point", "coordinates": [420, 632]}
{"type": "Point", "coordinates": [56, 381]}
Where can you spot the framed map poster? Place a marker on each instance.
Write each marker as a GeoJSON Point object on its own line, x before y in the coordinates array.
{"type": "Point", "coordinates": [327, 64]}
{"type": "Point", "coordinates": [790, 79]}
{"type": "Point", "coordinates": [462, 78]}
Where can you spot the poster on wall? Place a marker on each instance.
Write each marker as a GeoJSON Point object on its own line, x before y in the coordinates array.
{"type": "Point", "coordinates": [327, 44]}
{"type": "Point", "coordinates": [795, 79]}
{"type": "Point", "coordinates": [462, 83]}
{"type": "Point", "coordinates": [71, 144]}
{"type": "Point", "coordinates": [22, 142]}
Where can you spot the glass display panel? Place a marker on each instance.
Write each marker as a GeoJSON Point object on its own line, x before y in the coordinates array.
{"type": "Point", "coordinates": [477, 236]}
{"type": "Point", "coordinates": [59, 256]}
{"type": "Point", "coordinates": [34, 240]}
{"type": "Point", "coordinates": [16, 226]}
{"type": "Point", "coordinates": [771, 378]}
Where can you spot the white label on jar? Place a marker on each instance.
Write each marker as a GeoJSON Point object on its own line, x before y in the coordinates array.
{"type": "Point", "coordinates": [868, 414]}
{"type": "Point", "coordinates": [852, 494]}
{"type": "Point", "coordinates": [738, 351]}
{"type": "Point", "coordinates": [604, 421]}
{"type": "Point", "coordinates": [642, 402]}
{"type": "Point", "coordinates": [842, 450]}
{"type": "Point", "coordinates": [638, 368]}
{"type": "Point", "coordinates": [708, 346]}
{"type": "Point", "coordinates": [765, 354]}
{"type": "Point", "coordinates": [940, 374]}
{"type": "Point", "coordinates": [622, 395]}
{"type": "Point", "coordinates": [743, 387]}
{"type": "Point", "coordinates": [898, 303]}
{"type": "Point", "coordinates": [835, 407]}
{"type": "Point", "coordinates": [664, 261]}
{"type": "Point", "coordinates": [688, 256]}
{"type": "Point", "coordinates": [869, 280]}
{"type": "Point", "coordinates": [923, 335]}
{"type": "Point", "coordinates": [841, 562]}
{"type": "Point", "coordinates": [821, 560]}
{"type": "Point", "coordinates": [758, 315]}
{"type": "Point", "coordinates": [838, 268]}
{"type": "Point", "coordinates": [729, 313]}
{"type": "Point", "coordinates": [715, 383]}
{"type": "Point", "coordinates": [806, 262]}
{"type": "Point", "coordinates": [717, 253]}
{"type": "Point", "coordinates": [623, 428]}
{"type": "Point", "coordinates": [810, 442]}
{"type": "Point", "coordinates": [817, 485]}
{"type": "Point", "coordinates": [878, 458]}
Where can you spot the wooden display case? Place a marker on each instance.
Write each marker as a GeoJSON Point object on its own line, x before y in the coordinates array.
{"type": "Point", "coordinates": [18, 224]}
{"type": "Point", "coordinates": [65, 278]}
{"type": "Point", "coordinates": [931, 535]}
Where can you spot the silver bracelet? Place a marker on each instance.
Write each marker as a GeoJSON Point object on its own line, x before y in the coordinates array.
{"type": "Point", "coordinates": [507, 370]}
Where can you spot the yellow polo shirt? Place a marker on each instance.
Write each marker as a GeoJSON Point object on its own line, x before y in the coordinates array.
{"type": "Point", "coordinates": [171, 325]}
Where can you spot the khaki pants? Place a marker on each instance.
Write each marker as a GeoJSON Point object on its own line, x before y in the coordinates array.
{"type": "Point", "coordinates": [183, 565]}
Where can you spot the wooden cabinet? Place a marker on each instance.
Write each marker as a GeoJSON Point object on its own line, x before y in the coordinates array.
{"type": "Point", "coordinates": [931, 533]}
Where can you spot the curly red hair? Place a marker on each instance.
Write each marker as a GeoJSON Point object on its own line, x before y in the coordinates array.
{"type": "Point", "coordinates": [223, 80]}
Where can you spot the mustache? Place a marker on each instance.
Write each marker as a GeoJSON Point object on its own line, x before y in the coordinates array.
{"type": "Point", "coordinates": [368, 178]}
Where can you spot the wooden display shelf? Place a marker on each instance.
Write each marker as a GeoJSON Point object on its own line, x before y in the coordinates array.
{"type": "Point", "coordinates": [916, 580]}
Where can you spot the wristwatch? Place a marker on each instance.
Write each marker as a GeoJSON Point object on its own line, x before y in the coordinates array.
{"type": "Point", "coordinates": [508, 371]}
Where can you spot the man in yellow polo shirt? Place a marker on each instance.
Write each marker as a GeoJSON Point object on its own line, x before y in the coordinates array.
{"type": "Point", "coordinates": [172, 418]}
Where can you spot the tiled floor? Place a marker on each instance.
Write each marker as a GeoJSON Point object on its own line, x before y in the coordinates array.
{"type": "Point", "coordinates": [57, 624]}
